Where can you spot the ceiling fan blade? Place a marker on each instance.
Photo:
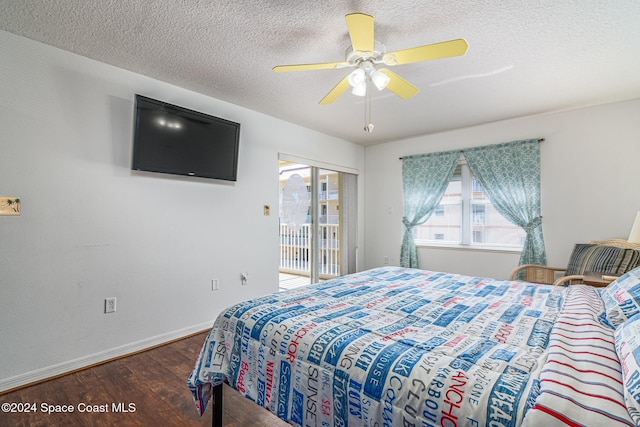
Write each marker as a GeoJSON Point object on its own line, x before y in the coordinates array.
{"type": "Point", "coordinates": [447, 49]}
{"type": "Point", "coordinates": [308, 67]}
{"type": "Point", "coordinates": [361, 31]}
{"type": "Point", "coordinates": [337, 91]}
{"type": "Point", "coordinates": [400, 86]}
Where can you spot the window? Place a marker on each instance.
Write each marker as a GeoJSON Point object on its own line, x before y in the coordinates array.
{"type": "Point", "coordinates": [466, 216]}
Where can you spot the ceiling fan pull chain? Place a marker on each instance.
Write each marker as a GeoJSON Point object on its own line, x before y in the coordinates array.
{"type": "Point", "coordinates": [368, 126]}
{"type": "Point", "coordinates": [366, 119]}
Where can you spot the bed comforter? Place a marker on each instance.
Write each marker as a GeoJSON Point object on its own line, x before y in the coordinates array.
{"type": "Point", "coordinates": [405, 347]}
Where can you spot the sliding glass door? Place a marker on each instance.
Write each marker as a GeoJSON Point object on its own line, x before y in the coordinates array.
{"type": "Point", "coordinates": [317, 237]}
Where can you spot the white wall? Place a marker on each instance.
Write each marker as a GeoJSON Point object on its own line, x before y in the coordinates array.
{"type": "Point", "coordinates": [91, 228]}
{"type": "Point", "coordinates": [590, 179]}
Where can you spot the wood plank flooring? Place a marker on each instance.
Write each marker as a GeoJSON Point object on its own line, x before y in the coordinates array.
{"type": "Point", "coordinates": [151, 386]}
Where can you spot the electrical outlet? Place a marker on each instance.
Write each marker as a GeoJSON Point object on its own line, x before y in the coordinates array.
{"type": "Point", "coordinates": [215, 284]}
{"type": "Point", "coordinates": [110, 305]}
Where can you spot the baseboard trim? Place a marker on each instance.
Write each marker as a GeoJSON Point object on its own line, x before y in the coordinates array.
{"type": "Point", "coordinates": [50, 372]}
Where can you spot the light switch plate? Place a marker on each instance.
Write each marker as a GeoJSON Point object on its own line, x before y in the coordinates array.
{"type": "Point", "coordinates": [9, 206]}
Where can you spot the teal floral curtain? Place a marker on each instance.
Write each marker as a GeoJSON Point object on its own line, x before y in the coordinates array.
{"type": "Point", "coordinates": [510, 175]}
{"type": "Point", "coordinates": [425, 178]}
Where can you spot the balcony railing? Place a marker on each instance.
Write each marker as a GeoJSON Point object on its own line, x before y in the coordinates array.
{"type": "Point", "coordinates": [295, 247]}
{"type": "Point", "coordinates": [329, 195]}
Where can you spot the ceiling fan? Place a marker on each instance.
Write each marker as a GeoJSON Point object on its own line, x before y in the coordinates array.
{"type": "Point", "coordinates": [370, 59]}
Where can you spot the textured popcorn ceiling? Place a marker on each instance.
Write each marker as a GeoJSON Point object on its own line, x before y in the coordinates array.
{"type": "Point", "coordinates": [525, 56]}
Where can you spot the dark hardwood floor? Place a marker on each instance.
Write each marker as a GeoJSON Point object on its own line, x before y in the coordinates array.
{"type": "Point", "coordinates": [151, 386]}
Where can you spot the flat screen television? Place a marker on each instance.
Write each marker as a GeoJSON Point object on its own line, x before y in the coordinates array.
{"type": "Point", "coordinates": [175, 140]}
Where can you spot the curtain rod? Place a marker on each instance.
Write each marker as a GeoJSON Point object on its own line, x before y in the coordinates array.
{"type": "Point", "coordinates": [539, 140]}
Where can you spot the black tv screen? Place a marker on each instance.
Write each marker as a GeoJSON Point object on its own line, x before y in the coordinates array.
{"type": "Point", "coordinates": [175, 140]}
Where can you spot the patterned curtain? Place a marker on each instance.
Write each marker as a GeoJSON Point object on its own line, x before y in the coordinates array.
{"type": "Point", "coordinates": [425, 178]}
{"type": "Point", "coordinates": [510, 174]}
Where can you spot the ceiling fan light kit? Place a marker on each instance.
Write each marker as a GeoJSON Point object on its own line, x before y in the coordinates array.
{"type": "Point", "coordinates": [365, 55]}
{"type": "Point", "coordinates": [359, 78]}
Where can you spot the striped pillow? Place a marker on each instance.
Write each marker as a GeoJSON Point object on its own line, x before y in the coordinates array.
{"type": "Point", "coordinates": [628, 349]}
{"type": "Point", "coordinates": [581, 382]}
{"type": "Point", "coordinates": [602, 259]}
{"type": "Point", "coordinates": [622, 298]}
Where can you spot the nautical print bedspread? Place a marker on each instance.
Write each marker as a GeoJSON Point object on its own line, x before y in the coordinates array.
{"type": "Point", "coordinates": [388, 346]}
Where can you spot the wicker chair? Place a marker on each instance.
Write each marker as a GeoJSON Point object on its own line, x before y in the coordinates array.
{"type": "Point", "coordinates": [609, 257]}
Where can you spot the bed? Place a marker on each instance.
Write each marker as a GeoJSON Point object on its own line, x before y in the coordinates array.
{"type": "Point", "coordinates": [394, 346]}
